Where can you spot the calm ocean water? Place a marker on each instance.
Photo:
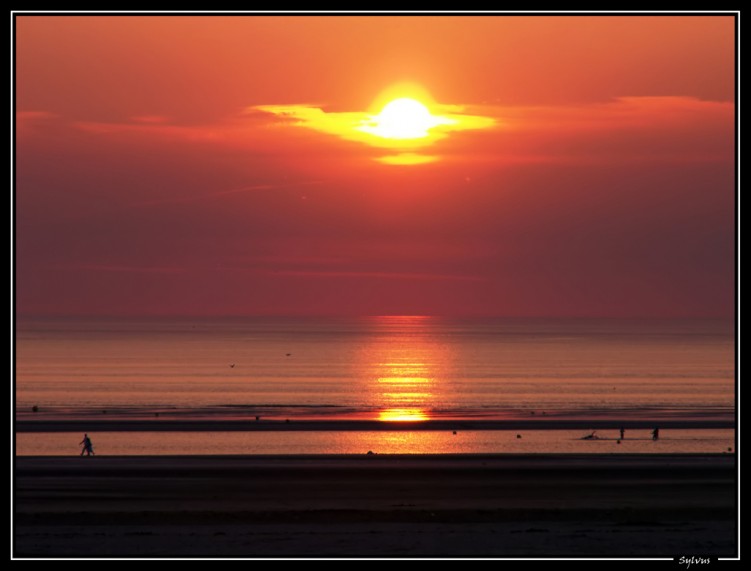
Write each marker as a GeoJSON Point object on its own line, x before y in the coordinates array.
{"type": "Point", "coordinates": [388, 368]}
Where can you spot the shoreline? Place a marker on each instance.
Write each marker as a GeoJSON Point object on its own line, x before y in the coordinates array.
{"type": "Point", "coordinates": [199, 425]}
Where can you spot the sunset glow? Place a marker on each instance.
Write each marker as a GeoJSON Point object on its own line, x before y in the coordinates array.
{"type": "Point", "coordinates": [378, 284]}
{"type": "Point", "coordinates": [306, 166]}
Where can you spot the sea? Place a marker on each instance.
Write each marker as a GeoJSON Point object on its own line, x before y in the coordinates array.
{"type": "Point", "coordinates": [401, 371]}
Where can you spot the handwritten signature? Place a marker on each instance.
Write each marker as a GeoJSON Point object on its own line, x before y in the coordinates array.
{"type": "Point", "coordinates": [689, 561]}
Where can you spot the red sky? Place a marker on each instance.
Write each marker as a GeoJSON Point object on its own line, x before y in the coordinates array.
{"type": "Point", "coordinates": [148, 183]}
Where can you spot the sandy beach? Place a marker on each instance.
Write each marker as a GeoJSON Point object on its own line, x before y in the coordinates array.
{"type": "Point", "coordinates": [373, 505]}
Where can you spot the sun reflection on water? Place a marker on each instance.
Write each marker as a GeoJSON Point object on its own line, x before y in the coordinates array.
{"type": "Point", "coordinates": [407, 368]}
{"type": "Point", "coordinates": [403, 415]}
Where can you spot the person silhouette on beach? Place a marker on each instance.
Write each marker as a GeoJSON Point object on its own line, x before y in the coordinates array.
{"type": "Point", "coordinates": [623, 431]}
{"type": "Point", "coordinates": [656, 434]}
{"type": "Point", "coordinates": [88, 447]}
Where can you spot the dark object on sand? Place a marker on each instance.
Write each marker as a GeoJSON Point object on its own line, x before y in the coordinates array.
{"type": "Point", "coordinates": [454, 432]}
{"type": "Point", "coordinates": [232, 366]}
{"type": "Point", "coordinates": [518, 435]}
{"type": "Point", "coordinates": [289, 354]}
{"type": "Point", "coordinates": [591, 436]}
{"type": "Point", "coordinates": [35, 408]}
{"type": "Point", "coordinates": [370, 452]}
{"type": "Point", "coordinates": [623, 432]}
{"type": "Point", "coordinates": [656, 434]}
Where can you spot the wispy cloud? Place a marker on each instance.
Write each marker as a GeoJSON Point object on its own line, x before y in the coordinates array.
{"type": "Point", "coordinates": [154, 128]}
{"type": "Point", "coordinates": [32, 115]}
{"type": "Point", "coordinates": [150, 119]}
{"type": "Point", "coordinates": [371, 274]}
{"type": "Point", "coordinates": [111, 268]}
{"type": "Point", "coordinates": [631, 113]}
{"type": "Point", "coordinates": [27, 122]}
{"type": "Point", "coordinates": [222, 193]}
{"type": "Point", "coordinates": [633, 130]}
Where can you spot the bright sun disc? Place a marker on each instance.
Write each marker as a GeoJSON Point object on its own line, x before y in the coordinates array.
{"type": "Point", "coordinates": [403, 118]}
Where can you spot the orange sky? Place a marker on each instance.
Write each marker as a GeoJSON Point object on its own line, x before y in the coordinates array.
{"type": "Point", "coordinates": [148, 181]}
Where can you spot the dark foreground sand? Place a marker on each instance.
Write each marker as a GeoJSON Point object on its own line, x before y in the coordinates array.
{"type": "Point", "coordinates": [533, 505]}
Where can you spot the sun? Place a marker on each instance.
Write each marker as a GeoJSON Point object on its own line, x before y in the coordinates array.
{"type": "Point", "coordinates": [403, 119]}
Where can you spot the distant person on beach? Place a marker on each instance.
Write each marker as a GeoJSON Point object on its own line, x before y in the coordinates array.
{"type": "Point", "coordinates": [88, 447]}
{"type": "Point", "coordinates": [623, 431]}
{"type": "Point", "coordinates": [656, 434]}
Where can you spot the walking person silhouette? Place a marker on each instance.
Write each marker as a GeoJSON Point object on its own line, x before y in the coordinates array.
{"type": "Point", "coordinates": [88, 447]}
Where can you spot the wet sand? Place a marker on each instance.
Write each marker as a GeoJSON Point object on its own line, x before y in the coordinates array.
{"type": "Point", "coordinates": [371, 505]}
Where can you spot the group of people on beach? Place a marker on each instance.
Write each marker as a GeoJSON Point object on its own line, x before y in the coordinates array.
{"type": "Point", "coordinates": [88, 447]}
{"type": "Point", "coordinates": [593, 435]}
